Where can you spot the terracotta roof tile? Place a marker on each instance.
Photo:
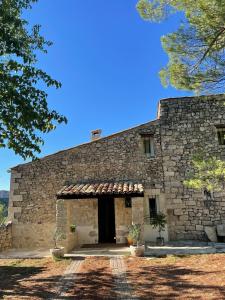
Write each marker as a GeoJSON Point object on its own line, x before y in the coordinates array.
{"type": "Point", "coordinates": [102, 188]}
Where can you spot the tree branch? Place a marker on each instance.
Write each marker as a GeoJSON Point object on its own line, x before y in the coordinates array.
{"type": "Point", "coordinates": [219, 33]}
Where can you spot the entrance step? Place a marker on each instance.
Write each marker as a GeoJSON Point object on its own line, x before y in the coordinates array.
{"type": "Point", "coordinates": [106, 251]}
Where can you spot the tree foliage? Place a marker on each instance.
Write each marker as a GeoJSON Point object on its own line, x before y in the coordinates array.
{"type": "Point", "coordinates": [159, 222]}
{"type": "Point", "coordinates": [208, 174]}
{"type": "Point", "coordinates": [3, 213]}
{"type": "Point", "coordinates": [197, 49]}
{"type": "Point", "coordinates": [24, 112]}
{"type": "Point", "coordinates": [135, 232]}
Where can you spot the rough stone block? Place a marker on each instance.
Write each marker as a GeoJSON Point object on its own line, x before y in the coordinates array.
{"type": "Point", "coordinates": [17, 215]}
{"type": "Point", "coordinates": [178, 212]}
{"type": "Point", "coordinates": [12, 210]}
{"type": "Point", "coordinates": [17, 198]}
{"type": "Point", "coordinates": [15, 175]}
{"type": "Point", "coordinates": [220, 229]}
{"type": "Point", "coordinates": [183, 218]}
{"type": "Point", "coordinates": [211, 233]}
{"type": "Point", "coordinates": [177, 201]}
{"type": "Point", "coordinates": [93, 233]}
{"type": "Point", "coordinates": [199, 227]}
{"type": "Point", "coordinates": [191, 203]}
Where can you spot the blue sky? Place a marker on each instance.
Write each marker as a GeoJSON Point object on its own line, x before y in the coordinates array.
{"type": "Point", "coordinates": [107, 59]}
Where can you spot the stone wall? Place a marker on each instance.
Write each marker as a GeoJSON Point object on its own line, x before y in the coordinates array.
{"type": "Point", "coordinates": [188, 124]}
{"type": "Point", "coordinates": [34, 185]}
{"type": "Point", "coordinates": [64, 220]}
{"type": "Point", "coordinates": [80, 212]}
{"type": "Point", "coordinates": [150, 234]}
{"type": "Point", "coordinates": [84, 214]}
{"type": "Point", "coordinates": [33, 235]}
{"type": "Point", "coordinates": [5, 236]}
{"type": "Point", "coordinates": [183, 126]}
{"type": "Point", "coordinates": [123, 219]}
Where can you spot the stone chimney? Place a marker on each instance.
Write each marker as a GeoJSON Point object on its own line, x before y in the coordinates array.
{"type": "Point", "coordinates": [96, 134]}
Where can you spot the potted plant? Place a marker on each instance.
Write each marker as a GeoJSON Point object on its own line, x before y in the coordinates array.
{"type": "Point", "coordinates": [72, 228]}
{"type": "Point", "coordinates": [135, 234]}
{"type": "Point", "coordinates": [159, 221]}
{"type": "Point", "coordinates": [129, 240]}
{"type": "Point", "coordinates": [57, 252]}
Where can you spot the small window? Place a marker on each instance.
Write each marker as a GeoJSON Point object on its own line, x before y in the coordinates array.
{"type": "Point", "coordinates": [128, 202]}
{"type": "Point", "coordinates": [152, 208]}
{"type": "Point", "coordinates": [221, 134]}
{"type": "Point", "coordinates": [148, 145]}
{"type": "Point", "coordinates": [208, 198]}
{"type": "Point", "coordinates": [207, 194]}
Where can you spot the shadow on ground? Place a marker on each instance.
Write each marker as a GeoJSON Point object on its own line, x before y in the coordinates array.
{"type": "Point", "coordinates": [91, 286]}
{"type": "Point", "coordinates": [185, 278]}
{"type": "Point", "coordinates": [175, 282]}
{"type": "Point", "coordinates": [17, 282]}
{"type": "Point", "coordinates": [35, 282]}
{"type": "Point", "coordinates": [94, 281]}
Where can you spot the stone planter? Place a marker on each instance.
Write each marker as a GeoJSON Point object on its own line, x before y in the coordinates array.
{"type": "Point", "coordinates": [137, 250]}
{"type": "Point", "coordinates": [57, 252]}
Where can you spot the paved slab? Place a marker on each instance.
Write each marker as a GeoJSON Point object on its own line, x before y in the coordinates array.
{"type": "Point", "coordinates": [68, 279]}
{"type": "Point", "coordinates": [25, 253]}
{"type": "Point", "coordinates": [171, 248]}
{"type": "Point", "coordinates": [123, 289]}
{"type": "Point", "coordinates": [101, 251]}
{"type": "Point", "coordinates": [190, 248]}
{"type": "Point", "coordinates": [81, 252]}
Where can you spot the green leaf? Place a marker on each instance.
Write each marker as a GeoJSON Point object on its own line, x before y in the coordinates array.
{"type": "Point", "coordinates": [196, 50]}
{"type": "Point", "coordinates": [24, 111]}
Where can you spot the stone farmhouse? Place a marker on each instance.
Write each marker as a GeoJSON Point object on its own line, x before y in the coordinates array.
{"type": "Point", "coordinates": [108, 183]}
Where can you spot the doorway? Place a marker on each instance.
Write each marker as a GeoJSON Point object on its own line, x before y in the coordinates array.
{"type": "Point", "coordinates": [106, 220]}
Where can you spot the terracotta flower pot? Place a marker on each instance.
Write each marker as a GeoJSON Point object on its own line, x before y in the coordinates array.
{"type": "Point", "coordinates": [137, 250]}
{"type": "Point", "coordinates": [129, 241]}
{"type": "Point", "coordinates": [57, 252]}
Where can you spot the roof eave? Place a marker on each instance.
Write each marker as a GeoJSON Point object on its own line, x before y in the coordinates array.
{"type": "Point", "coordinates": [91, 196]}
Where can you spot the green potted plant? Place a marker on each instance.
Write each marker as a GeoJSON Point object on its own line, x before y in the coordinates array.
{"type": "Point", "coordinates": [159, 222]}
{"type": "Point", "coordinates": [72, 228]}
{"type": "Point", "coordinates": [129, 240]}
{"type": "Point", "coordinates": [57, 251]}
{"type": "Point", "coordinates": [135, 233]}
